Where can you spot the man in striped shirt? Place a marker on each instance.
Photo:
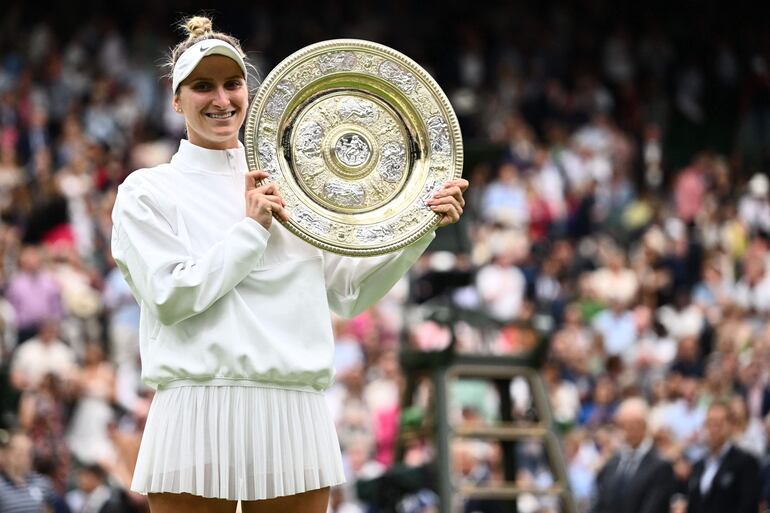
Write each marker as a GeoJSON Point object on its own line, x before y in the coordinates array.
{"type": "Point", "coordinates": [21, 489]}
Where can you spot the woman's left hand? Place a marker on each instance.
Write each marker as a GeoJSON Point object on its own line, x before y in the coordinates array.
{"type": "Point", "coordinates": [449, 201]}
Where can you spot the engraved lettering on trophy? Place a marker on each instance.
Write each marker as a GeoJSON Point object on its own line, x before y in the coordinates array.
{"type": "Point", "coordinates": [345, 194]}
{"type": "Point", "coordinates": [336, 61]}
{"type": "Point", "coordinates": [391, 166]}
{"type": "Point", "coordinates": [278, 101]}
{"type": "Point", "coordinates": [394, 73]}
{"type": "Point", "coordinates": [352, 150]}
{"type": "Point", "coordinates": [438, 134]}
{"type": "Point", "coordinates": [388, 129]}
{"type": "Point", "coordinates": [309, 139]}
{"type": "Point", "coordinates": [441, 173]}
{"type": "Point", "coordinates": [376, 190]}
{"type": "Point", "coordinates": [358, 110]}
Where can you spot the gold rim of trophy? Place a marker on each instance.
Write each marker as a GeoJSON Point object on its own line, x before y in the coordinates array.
{"type": "Point", "coordinates": [358, 137]}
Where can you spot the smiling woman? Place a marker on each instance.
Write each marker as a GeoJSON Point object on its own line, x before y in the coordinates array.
{"type": "Point", "coordinates": [239, 413]}
{"type": "Point", "coordinates": [214, 100]}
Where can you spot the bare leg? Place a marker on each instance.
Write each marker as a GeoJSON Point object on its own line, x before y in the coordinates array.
{"type": "Point", "coordinates": [178, 502]}
{"type": "Point", "coordinates": [314, 501]}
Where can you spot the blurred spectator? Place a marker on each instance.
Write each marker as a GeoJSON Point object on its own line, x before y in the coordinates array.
{"type": "Point", "coordinates": [615, 283]}
{"type": "Point", "coordinates": [92, 495]}
{"type": "Point", "coordinates": [755, 389]}
{"type": "Point", "coordinates": [21, 489]}
{"type": "Point", "coordinates": [501, 285]}
{"type": "Point", "coordinates": [34, 294]}
{"type": "Point", "coordinates": [637, 478]}
{"type": "Point", "coordinates": [748, 432]}
{"type": "Point", "coordinates": [600, 409]}
{"type": "Point", "coordinates": [123, 321]}
{"type": "Point", "coordinates": [727, 479]}
{"type": "Point", "coordinates": [688, 361]}
{"type": "Point", "coordinates": [43, 415]}
{"type": "Point", "coordinates": [505, 198]}
{"type": "Point", "coordinates": [582, 461]}
{"type": "Point", "coordinates": [94, 387]}
{"type": "Point", "coordinates": [42, 355]}
{"type": "Point", "coordinates": [752, 292]}
{"type": "Point", "coordinates": [617, 328]}
{"type": "Point", "coordinates": [563, 395]}
{"type": "Point", "coordinates": [684, 417]}
{"type": "Point", "coordinates": [753, 207]}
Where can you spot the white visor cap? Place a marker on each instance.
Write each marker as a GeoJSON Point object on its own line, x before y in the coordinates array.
{"type": "Point", "coordinates": [190, 58]}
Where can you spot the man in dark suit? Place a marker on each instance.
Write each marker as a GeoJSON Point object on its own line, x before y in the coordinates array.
{"type": "Point", "coordinates": [727, 479]}
{"type": "Point", "coordinates": [636, 479]}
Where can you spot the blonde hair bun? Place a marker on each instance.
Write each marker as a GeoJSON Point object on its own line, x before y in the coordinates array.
{"type": "Point", "coordinates": [198, 26]}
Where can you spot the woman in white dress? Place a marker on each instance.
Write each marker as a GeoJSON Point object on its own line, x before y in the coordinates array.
{"type": "Point", "coordinates": [235, 330]}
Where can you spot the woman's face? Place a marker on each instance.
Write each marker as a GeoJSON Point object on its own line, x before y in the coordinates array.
{"type": "Point", "coordinates": [214, 100]}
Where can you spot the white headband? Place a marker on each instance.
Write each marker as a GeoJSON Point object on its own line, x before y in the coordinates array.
{"type": "Point", "coordinates": [190, 58]}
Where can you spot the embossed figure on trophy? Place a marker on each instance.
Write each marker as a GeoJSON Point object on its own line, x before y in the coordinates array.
{"type": "Point", "coordinates": [372, 233]}
{"type": "Point", "coordinates": [391, 166]}
{"type": "Point", "coordinates": [352, 150]}
{"type": "Point", "coordinates": [284, 90]}
{"type": "Point", "coordinates": [346, 195]}
{"type": "Point", "coordinates": [305, 74]}
{"type": "Point", "coordinates": [304, 217]}
{"type": "Point", "coordinates": [267, 156]}
{"type": "Point", "coordinates": [337, 61]}
{"type": "Point", "coordinates": [438, 134]}
{"type": "Point", "coordinates": [309, 139]}
{"type": "Point", "coordinates": [393, 72]}
{"type": "Point", "coordinates": [353, 109]}
{"type": "Point", "coordinates": [314, 178]}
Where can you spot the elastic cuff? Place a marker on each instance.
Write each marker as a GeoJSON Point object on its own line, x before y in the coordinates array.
{"type": "Point", "coordinates": [265, 231]}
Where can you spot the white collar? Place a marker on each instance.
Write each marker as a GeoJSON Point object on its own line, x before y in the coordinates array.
{"type": "Point", "coordinates": [190, 157]}
{"type": "Point", "coordinates": [722, 452]}
{"type": "Point", "coordinates": [640, 451]}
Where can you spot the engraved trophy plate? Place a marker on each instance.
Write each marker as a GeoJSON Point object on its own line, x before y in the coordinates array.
{"type": "Point", "coordinates": [357, 137]}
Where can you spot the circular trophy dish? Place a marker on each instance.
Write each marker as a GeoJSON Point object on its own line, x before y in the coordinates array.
{"type": "Point", "coordinates": [358, 138]}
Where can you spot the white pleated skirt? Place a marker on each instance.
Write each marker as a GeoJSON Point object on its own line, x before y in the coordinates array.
{"type": "Point", "coordinates": [238, 443]}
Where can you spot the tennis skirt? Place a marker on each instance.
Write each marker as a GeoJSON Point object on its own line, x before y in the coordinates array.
{"type": "Point", "coordinates": [238, 443]}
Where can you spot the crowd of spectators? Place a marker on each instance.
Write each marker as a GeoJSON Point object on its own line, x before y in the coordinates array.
{"type": "Point", "coordinates": [619, 209]}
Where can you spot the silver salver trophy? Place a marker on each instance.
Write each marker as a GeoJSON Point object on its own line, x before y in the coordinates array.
{"type": "Point", "coordinates": [358, 138]}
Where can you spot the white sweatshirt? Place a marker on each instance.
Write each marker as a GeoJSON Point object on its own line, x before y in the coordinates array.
{"type": "Point", "coordinates": [224, 301]}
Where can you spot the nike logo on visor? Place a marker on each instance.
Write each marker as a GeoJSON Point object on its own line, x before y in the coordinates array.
{"type": "Point", "coordinates": [204, 49]}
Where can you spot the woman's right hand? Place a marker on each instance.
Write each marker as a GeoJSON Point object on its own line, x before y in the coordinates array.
{"type": "Point", "coordinates": [264, 202]}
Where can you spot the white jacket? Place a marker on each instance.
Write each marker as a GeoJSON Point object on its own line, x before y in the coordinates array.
{"type": "Point", "coordinates": [224, 301]}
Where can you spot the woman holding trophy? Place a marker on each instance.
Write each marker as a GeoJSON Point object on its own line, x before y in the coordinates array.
{"type": "Point", "coordinates": [235, 310]}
